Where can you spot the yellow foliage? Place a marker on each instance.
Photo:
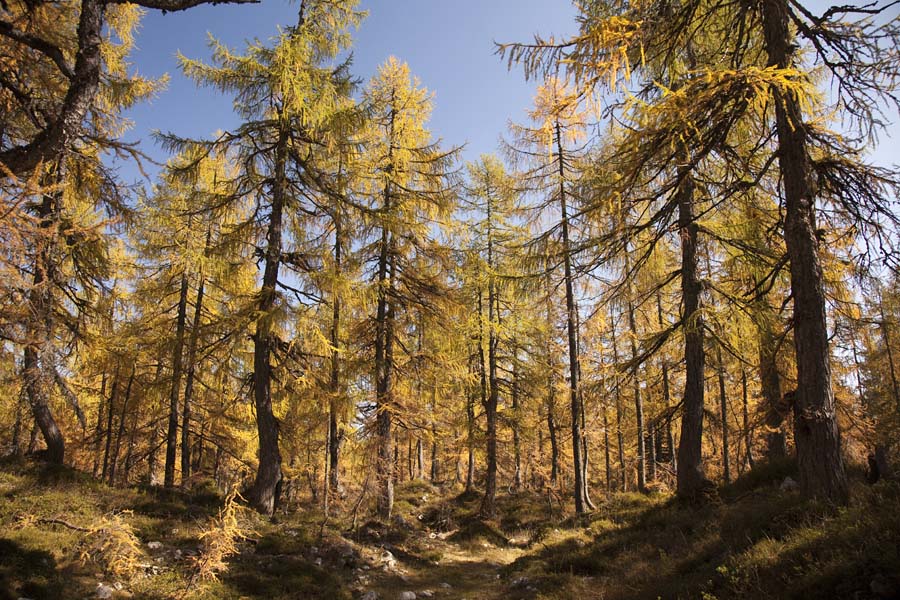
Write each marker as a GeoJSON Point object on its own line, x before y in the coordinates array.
{"type": "Point", "coordinates": [114, 546]}
{"type": "Point", "coordinates": [219, 539]}
{"type": "Point", "coordinates": [602, 50]}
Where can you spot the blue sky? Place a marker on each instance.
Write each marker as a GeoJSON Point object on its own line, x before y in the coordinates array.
{"type": "Point", "coordinates": [449, 45]}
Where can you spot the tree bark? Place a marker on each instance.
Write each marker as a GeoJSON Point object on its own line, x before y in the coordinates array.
{"type": "Point", "coordinates": [723, 412]}
{"type": "Point", "coordinates": [109, 423]}
{"type": "Point", "coordinates": [114, 459]}
{"type": "Point", "coordinates": [175, 390]}
{"type": "Point", "coordinates": [336, 435]}
{"type": "Point", "coordinates": [517, 443]}
{"type": "Point", "coordinates": [581, 505]}
{"type": "Point", "coordinates": [638, 401]}
{"type": "Point", "coordinates": [98, 428]}
{"type": "Point", "coordinates": [38, 364]}
{"type": "Point", "coordinates": [470, 421]}
{"type": "Point", "coordinates": [606, 453]}
{"type": "Point", "coordinates": [551, 397]}
{"type": "Point", "coordinates": [383, 368]}
{"type": "Point", "coordinates": [490, 410]}
{"type": "Point", "coordinates": [667, 399]}
{"type": "Point", "coordinates": [585, 455]}
{"type": "Point", "coordinates": [819, 459]}
{"type": "Point", "coordinates": [189, 387]}
{"type": "Point", "coordinates": [886, 338]}
{"type": "Point", "coordinates": [191, 367]}
{"type": "Point", "coordinates": [620, 437]}
{"type": "Point", "coordinates": [264, 495]}
{"type": "Point", "coordinates": [748, 439]}
{"type": "Point", "coordinates": [770, 383]}
{"type": "Point", "coordinates": [690, 475]}
{"type": "Point", "coordinates": [435, 467]}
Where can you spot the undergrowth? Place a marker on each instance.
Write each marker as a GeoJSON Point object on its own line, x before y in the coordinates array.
{"type": "Point", "coordinates": [62, 534]}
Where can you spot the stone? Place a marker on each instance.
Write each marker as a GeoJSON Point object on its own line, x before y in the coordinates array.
{"type": "Point", "coordinates": [789, 485]}
{"type": "Point", "coordinates": [154, 545]}
{"type": "Point", "coordinates": [370, 596]}
{"type": "Point", "coordinates": [388, 561]}
{"type": "Point", "coordinates": [407, 596]}
{"type": "Point", "coordinates": [104, 592]}
{"type": "Point", "coordinates": [445, 586]}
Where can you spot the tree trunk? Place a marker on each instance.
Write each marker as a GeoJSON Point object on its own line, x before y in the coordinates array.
{"type": "Point", "coordinates": [574, 399]}
{"type": "Point", "coordinates": [410, 468]}
{"type": "Point", "coordinates": [470, 429]}
{"type": "Point", "coordinates": [435, 470]}
{"type": "Point", "coordinates": [690, 475]}
{"type": "Point", "coordinates": [384, 340]}
{"type": "Point", "coordinates": [585, 456]}
{"type": "Point", "coordinates": [606, 453]}
{"type": "Point", "coordinates": [175, 390]}
{"type": "Point", "coordinates": [189, 388]}
{"type": "Point", "coordinates": [191, 367]}
{"type": "Point", "coordinates": [551, 397]}
{"type": "Point", "coordinates": [129, 455]}
{"type": "Point", "coordinates": [723, 411]}
{"type": "Point", "coordinates": [620, 437]}
{"type": "Point", "coordinates": [98, 428]}
{"type": "Point", "coordinates": [114, 459]}
{"type": "Point", "coordinates": [816, 432]}
{"type": "Point", "coordinates": [109, 423]}
{"type": "Point", "coordinates": [383, 367]}
{"type": "Point", "coordinates": [264, 495]}
{"type": "Point", "coordinates": [748, 441]}
{"type": "Point", "coordinates": [490, 410]}
{"type": "Point", "coordinates": [667, 399]}
{"type": "Point", "coordinates": [886, 338]}
{"type": "Point", "coordinates": [638, 401]}
{"type": "Point", "coordinates": [770, 382]}
{"type": "Point", "coordinates": [38, 364]}
{"type": "Point", "coordinates": [336, 435]}
{"type": "Point", "coordinates": [517, 443]}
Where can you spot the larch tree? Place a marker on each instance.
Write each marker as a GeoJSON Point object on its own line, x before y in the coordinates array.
{"type": "Point", "coordinates": [549, 151]}
{"type": "Point", "coordinates": [289, 94]}
{"type": "Point", "coordinates": [764, 76]}
{"type": "Point", "coordinates": [411, 188]}
{"type": "Point", "coordinates": [44, 36]}
{"type": "Point", "coordinates": [61, 193]}
{"type": "Point", "coordinates": [492, 197]}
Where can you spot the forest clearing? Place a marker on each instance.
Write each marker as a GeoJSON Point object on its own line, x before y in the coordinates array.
{"type": "Point", "coordinates": [301, 343]}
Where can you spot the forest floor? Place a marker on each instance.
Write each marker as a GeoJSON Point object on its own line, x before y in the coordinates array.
{"type": "Point", "coordinates": [64, 536]}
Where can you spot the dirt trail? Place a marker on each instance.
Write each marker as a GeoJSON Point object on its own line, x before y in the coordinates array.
{"type": "Point", "coordinates": [471, 571]}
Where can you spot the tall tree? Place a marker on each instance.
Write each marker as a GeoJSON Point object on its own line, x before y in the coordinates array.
{"type": "Point", "coordinates": [411, 188]}
{"type": "Point", "coordinates": [290, 97]}
{"type": "Point", "coordinates": [492, 197]}
{"type": "Point", "coordinates": [550, 150]}
{"type": "Point", "coordinates": [714, 96]}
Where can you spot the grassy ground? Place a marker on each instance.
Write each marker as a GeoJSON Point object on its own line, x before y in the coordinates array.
{"type": "Point", "coordinates": [63, 535]}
